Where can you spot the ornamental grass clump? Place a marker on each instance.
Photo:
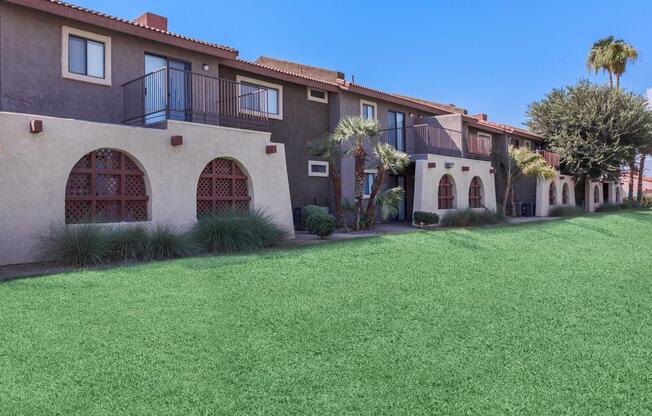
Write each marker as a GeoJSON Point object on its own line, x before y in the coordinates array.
{"type": "Point", "coordinates": [77, 245]}
{"type": "Point", "coordinates": [128, 243]}
{"type": "Point", "coordinates": [470, 217]}
{"type": "Point", "coordinates": [566, 211]}
{"type": "Point", "coordinates": [166, 242]}
{"type": "Point", "coordinates": [236, 231]}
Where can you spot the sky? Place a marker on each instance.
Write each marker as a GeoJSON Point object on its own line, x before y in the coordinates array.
{"type": "Point", "coordinates": [491, 57]}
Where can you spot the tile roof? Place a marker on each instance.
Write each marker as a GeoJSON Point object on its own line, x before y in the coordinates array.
{"type": "Point", "coordinates": [118, 19]}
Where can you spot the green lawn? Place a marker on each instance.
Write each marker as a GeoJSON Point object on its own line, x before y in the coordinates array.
{"type": "Point", "coordinates": [552, 318]}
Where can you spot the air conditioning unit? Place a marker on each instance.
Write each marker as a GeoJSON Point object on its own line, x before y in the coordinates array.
{"type": "Point", "coordinates": [449, 165]}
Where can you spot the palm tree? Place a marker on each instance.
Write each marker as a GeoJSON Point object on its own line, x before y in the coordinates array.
{"type": "Point", "coordinates": [356, 132]}
{"type": "Point", "coordinates": [641, 172]}
{"type": "Point", "coordinates": [611, 56]}
{"type": "Point", "coordinates": [518, 163]}
{"type": "Point", "coordinates": [386, 159]}
{"type": "Point", "coordinates": [327, 149]}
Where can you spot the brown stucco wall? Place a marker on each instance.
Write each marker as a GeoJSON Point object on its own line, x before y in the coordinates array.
{"type": "Point", "coordinates": [30, 67]}
{"type": "Point", "coordinates": [302, 121]}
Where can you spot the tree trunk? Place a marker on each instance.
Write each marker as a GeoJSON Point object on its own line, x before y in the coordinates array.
{"type": "Point", "coordinates": [513, 202]}
{"type": "Point", "coordinates": [508, 187]}
{"type": "Point", "coordinates": [370, 215]}
{"type": "Point", "coordinates": [336, 178]}
{"type": "Point", "coordinates": [360, 158]}
{"type": "Point", "coordinates": [641, 168]}
{"type": "Point", "coordinates": [611, 80]}
{"type": "Point", "coordinates": [617, 80]}
{"type": "Point", "coordinates": [631, 178]}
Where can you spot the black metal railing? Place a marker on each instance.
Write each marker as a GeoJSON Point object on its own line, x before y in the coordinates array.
{"type": "Point", "coordinates": [174, 94]}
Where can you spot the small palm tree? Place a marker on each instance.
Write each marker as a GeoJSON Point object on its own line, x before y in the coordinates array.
{"type": "Point", "coordinates": [611, 56]}
{"type": "Point", "coordinates": [355, 133]}
{"type": "Point", "coordinates": [518, 163]}
{"type": "Point", "coordinates": [327, 149]}
{"type": "Point", "coordinates": [389, 201]}
{"type": "Point", "coordinates": [386, 159]}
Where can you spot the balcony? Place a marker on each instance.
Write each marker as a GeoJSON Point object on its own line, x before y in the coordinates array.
{"type": "Point", "coordinates": [174, 94]}
{"type": "Point", "coordinates": [429, 139]}
{"type": "Point", "coordinates": [551, 158]}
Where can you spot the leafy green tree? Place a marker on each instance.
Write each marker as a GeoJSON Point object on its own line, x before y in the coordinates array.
{"type": "Point", "coordinates": [595, 129]}
{"type": "Point", "coordinates": [356, 134]}
{"type": "Point", "coordinates": [611, 56]}
{"type": "Point", "coordinates": [386, 159]}
{"type": "Point", "coordinates": [326, 148]}
{"type": "Point", "coordinates": [519, 163]}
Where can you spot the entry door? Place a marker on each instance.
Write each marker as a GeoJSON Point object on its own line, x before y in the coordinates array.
{"type": "Point", "coordinates": [396, 126]}
{"type": "Point", "coordinates": [156, 89]}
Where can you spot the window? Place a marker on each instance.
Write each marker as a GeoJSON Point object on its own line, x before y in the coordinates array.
{"type": "Point", "coordinates": [85, 56]}
{"type": "Point", "coordinates": [252, 97]}
{"type": "Point", "coordinates": [317, 168]}
{"type": "Point", "coordinates": [319, 96]}
{"type": "Point", "coordinates": [368, 110]}
{"type": "Point", "coordinates": [475, 193]}
{"type": "Point", "coordinates": [596, 195]}
{"type": "Point", "coordinates": [446, 193]}
{"type": "Point", "coordinates": [515, 142]}
{"type": "Point", "coordinates": [222, 187]}
{"type": "Point", "coordinates": [565, 194]}
{"type": "Point", "coordinates": [552, 194]}
{"type": "Point", "coordinates": [481, 145]}
{"type": "Point", "coordinates": [106, 186]}
{"type": "Point", "coordinates": [396, 129]}
{"type": "Point", "coordinates": [527, 144]}
{"type": "Point", "coordinates": [368, 184]}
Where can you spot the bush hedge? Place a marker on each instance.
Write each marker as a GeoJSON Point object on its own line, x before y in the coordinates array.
{"type": "Point", "coordinates": [321, 224]}
{"type": "Point", "coordinates": [425, 218]}
{"type": "Point", "coordinates": [609, 208]}
{"type": "Point", "coordinates": [470, 217]}
{"type": "Point", "coordinates": [307, 211]}
{"type": "Point", "coordinates": [565, 211]}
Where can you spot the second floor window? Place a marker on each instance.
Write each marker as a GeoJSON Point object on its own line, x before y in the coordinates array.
{"type": "Point", "coordinates": [368, 110]}
{"type": "Point", "coordinates": [85, 57]}
{"type": "Point", "coordinates": [252, 97]}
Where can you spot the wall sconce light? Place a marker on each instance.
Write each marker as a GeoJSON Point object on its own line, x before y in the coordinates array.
{"type": "Point", "coordinates": [205, 67]}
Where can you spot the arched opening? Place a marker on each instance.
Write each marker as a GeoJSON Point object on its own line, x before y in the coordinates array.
{"type": "Point", "coordinates": [552, 194]}
{"type": "Point", "coordinates": [106, 185]}
{"type": "Point", "coordinates": [596, 194]}
{"type": "Point", "coordinates": [476, 193]}
{"type": "Point", "coordinates": [446, 193]}
{"type": "Point", "coordinates": [565, 194]}
{"type": "Point", "coordinates": [222, 187]}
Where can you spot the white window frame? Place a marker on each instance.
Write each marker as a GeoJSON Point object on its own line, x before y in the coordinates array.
{"type": "Point", "coordinates": [368, 172]}
{"type": "Point", "coordinates": [369, 103]}
{"type": "Point", "coordinates": [255, 81]}
{"type": "Point", "coordinates": [66, 32]}
{"type": "Point", "coordinates": [318, 100]}
{"type": "Point", "coordinates": [312, 163]}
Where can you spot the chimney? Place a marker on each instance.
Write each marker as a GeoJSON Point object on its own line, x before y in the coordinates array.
{"type": "Point", "coordinates": [153, 20]}
{"type": "Point", "coordinates": [481, 116]}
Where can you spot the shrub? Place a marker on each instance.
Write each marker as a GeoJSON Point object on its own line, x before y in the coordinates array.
{"type": "Point", "coordinates": [566, 211]}
{"type": "Point", "coordinates": [323, 225]}
{"type": "Point", "coordinates": [236, 231]}
{"type": "Point", "coordinates": [646, 202]}
{"type": "Point", "coordinates": [309, 210]}
{"type": "Point", "coordinates": [425, 218]}
{"type": "Point", "coordinates": [470, 217]}
{"type": "Point", "coordinates": [77, 245]}
{"type": "Point", "coordinates": [630, 204]}
{"type": "Point", "coordinates": [128, 243]}
{"type": "Point", "coordinates": [608, 208]}
{"type": "Point", "coordinates": [165, 242]}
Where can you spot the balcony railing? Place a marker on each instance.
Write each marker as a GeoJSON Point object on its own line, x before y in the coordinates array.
{"type": "Point", "coordinates": [174, 94]}
{"type": "Point", "coordinates": [430, 139]}
{"type": "Point", "coordinates": [551, 157]}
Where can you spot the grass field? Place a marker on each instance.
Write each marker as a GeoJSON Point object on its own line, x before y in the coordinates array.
{"type": "Point", "coordinates": [552, 318]}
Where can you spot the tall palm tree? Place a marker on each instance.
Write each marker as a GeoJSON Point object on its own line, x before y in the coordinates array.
{"type": "Point", "coordinates": [612, 56]}
{"type": "Point", "coordinates": [328, 149]}
{"type": "Point", "coordinates": [386, 159]}
{"type": "Point", "coordinates": [641, 172]}
{"type": "Point", "coordinates": [357, 132]}
{"type": "Point", "coordinates": [519, 163]}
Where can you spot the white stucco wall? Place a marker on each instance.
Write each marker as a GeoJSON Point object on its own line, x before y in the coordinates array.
{"type": "Point", "coordinates": [34, 169]}
{"type": "Point", "coordinates": [543, 206]}
{"type": "Point", "coordinates": [426, 182]}
{"type": "Point", "coordinates": [610, 198]}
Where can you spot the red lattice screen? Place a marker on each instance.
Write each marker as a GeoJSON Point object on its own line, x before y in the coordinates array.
{"type": "Point", "coordinates": [106, 186]}
{"type": "Point", "coordinates": [475, 193]}
{"type": "Point", "coordinates": [222, 187]}
{"type": "Point", "coordinates": [446, 196]}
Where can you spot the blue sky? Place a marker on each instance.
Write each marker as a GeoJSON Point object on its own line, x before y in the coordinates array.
{"type": "Point", "coordinates": [492, 56]}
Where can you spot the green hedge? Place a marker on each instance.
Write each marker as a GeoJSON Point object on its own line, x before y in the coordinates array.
{"type": "Point", "coordinates": [425, 218]}
{"type": "Point", "coordinates": [470, 217]}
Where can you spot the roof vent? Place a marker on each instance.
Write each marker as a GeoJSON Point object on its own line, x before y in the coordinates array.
{"type": "Point", "coordinates": [153, 20]}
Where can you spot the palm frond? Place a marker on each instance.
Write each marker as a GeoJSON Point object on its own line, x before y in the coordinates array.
{"type": "Point", "coordinates": [389, 201]}
{"type": "Point", "coordinates": [387, 158]}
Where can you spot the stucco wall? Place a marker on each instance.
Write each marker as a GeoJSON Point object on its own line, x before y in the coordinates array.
{"type": "Point", "coordinates": [427, 179]}
{"type": "Point", "coordinates": [589, 191]}
{"type": "Point", "coordinates": [34, 170]}
{"type": "Point", "coordinates": [543, 206]}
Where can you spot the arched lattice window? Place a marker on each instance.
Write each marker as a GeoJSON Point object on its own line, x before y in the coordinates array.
{"type": "Point", "coordinates": [222, 187]}
{"type": "Point", "coordinates": [617, 193]}
{"type": "Point", "coordinates": [565, 194]}
{"type": "Point", "coordinates": [106, 186]}
{"type": "Point", "coordinates": [552, 194]}
{"type": "Point", "coordinates": [446, 193]}
{"type": "Point", "coordinates": [596, 194]}
{"type": "Point", "coordinates": [475, 193]}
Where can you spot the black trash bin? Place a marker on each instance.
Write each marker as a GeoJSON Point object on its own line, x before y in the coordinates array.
{"type": "Point", "coordinates": [527, 210]}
